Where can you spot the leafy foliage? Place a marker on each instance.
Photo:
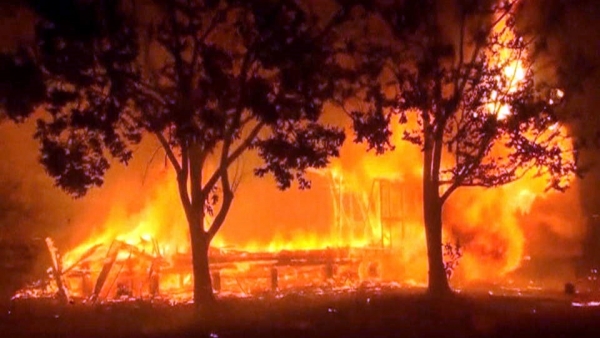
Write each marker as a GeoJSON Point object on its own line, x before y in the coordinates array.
{"type": "Point", "coordinates": [21, 85]}
{"type": "Point", "coordinates": [464, 102]}
{"type": "Point", "coordinates": [210, 75]}
{"type": "Point", "coordinates": [452, 254]}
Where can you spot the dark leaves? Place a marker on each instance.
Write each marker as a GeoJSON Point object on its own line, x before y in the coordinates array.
{"type": "Point", "coordinates": [202, 74]}
{"type": "Point", "coordinates": [73, 163]}
{"type": "Point", "coordinates": [22, 86]}
{"type": "Point", "coordinates": [288, 154]}
{"type": "Point", "coordinates": [217, 63]}
{"type": "Point", "coordinates": [259, 98]}
{"type": "Point", "coordinates": [493, 131]}
{"type": "Point", "coordinates": [373, 128]}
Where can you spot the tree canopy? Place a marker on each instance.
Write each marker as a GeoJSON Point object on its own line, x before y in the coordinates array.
{"type": "Point", "coordinates": [209, 73]}
{"type": "Point", "coordinates": [474, 98]}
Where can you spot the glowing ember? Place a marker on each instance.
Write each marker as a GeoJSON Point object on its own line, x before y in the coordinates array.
{"type": "Point", "coordinates": [585, 304]}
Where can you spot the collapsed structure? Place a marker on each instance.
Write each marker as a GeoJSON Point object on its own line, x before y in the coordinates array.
{"type": "Point", "coordinates": [141, 268]}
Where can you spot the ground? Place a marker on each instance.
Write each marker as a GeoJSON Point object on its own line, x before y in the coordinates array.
{"type": "Point", "coordinates": [353, 314]}
{"type": "Point", "coordinates": [374, 311]}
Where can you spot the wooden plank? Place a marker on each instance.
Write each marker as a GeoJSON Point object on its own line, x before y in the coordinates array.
{"type": "Point", "coordinates": [62, 293]}
{"type": "Point", "coordinates": [111, 257]}
{"type": "Point", "coordinates": [89, 252]}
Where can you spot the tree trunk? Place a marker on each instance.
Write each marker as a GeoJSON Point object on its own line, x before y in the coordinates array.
{"type": "Point", "coordinates": [438, 281]}
{"type": "Point", "coordinates": [203, 293]}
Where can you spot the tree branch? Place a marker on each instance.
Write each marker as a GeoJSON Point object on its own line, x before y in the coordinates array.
{"type": "Point", "coordinates": [237, 123]}
{"type": "Point", "coordinates": [197, 160]}
{"type": "Point", "coordinates": [182, 180]}
{"type": "Point", "coordinates": [449, 191]}
{"type": "Point", "coordinates": [230, 158]}
{"type": "Point", "coordinates": [148, 164]}
{"type": "Point", "coordinates": [170, 155]}
{"type": "Point", "coordinates": [175, 48]}
{"type": "Point", "coordinates": [459, 90]}
{"type": "Point", "coordinates": [338, 17]}
{"type": "Point", "coordinates": [225, 206]}
{"type": "Point", "coordinates": [458, 181]}
{"type": "Point", "coordinates": [246, 144]}
{"type": "Point", "coordinates": [211, 27]}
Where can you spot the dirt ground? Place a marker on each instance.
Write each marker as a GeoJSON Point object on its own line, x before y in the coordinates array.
{"type": "Point", "coordinates": [392, 314]}
{"type": "Point", "coordinates": [362, 313]}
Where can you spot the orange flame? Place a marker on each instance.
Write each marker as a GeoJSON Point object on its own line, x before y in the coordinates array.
{"type": "Point", "coordinates": [373, 201]}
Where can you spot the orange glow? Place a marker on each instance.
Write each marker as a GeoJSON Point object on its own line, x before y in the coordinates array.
{"type": "Point", "coordinates": [515, 71]}
{"type": "Point", "coordinates": [374, 204]}
{"type": "Point", "coordinates": [492, 214]}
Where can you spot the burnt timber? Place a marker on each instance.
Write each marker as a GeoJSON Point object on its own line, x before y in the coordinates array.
{"type": "Point", "coordinates": [125, 270]}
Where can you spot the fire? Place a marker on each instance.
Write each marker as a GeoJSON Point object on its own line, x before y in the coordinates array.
{"type": "Point", "coordinates": [499, 248]}
{"type": "Point", "coordinates": [153, 221]}
{"type": "Point", "coordinates": [374, 204]}
{"type": "Point", "coordinates": [486, 222]}
{"type": "Point", "coordinates": [512, 61]}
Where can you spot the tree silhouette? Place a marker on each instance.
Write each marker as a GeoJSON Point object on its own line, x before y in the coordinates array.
{"type": "Point", "coordinates": [470, 102]}
{"type": "Point", "coordinates": [210, 80]}
{"type": "Point", "coordinates": [21, 85]}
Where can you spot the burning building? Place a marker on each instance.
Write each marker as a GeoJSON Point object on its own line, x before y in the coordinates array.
{"type": "Point", "coordinates": [360, 222]}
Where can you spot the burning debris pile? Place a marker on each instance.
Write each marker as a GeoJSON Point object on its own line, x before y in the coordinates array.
{"type": "Point", "coordinates": [153, 261]}
{"type": "Point", "coordinates": [128, 271]}
{"type": "Point", "coordinates": [375, 236]}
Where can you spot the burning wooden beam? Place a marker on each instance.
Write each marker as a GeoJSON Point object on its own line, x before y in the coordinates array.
{"type": "Point", "coordinates": [111, 257]}
{"type": "Point", "coordinates": [87, 254]}
{"type": "Point", "coordinates": [62, 293]}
